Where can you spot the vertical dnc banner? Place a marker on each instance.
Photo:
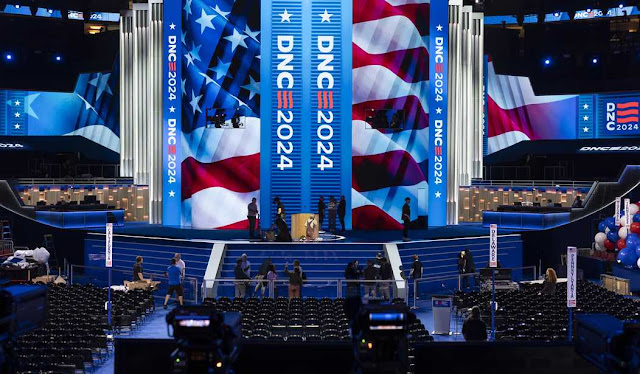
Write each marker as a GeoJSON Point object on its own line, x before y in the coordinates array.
{"type": "Point", "coordinates": [108, 253]}
{"type": "Point", "coordinates": [572, 276]}
{"type": "Point", "coordinates": [493, 245]}
{"type": "Point", "coordinates": [306, 104]}
{"type": "Point", "coordinates": [171, 113]}
{"type": "Point", "coordinates": [438, 95]}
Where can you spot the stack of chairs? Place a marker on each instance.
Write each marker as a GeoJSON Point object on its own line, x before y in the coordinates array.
{"type": "Point", "coordinates": [74, 337]}
{"type": "Point", "coordinates": [526, 314]}
{"type": "Point", "coordinates": [308, 319]}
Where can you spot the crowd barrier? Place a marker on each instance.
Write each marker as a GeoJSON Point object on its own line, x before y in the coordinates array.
{"type": "Point", "coordinates": [99, 276]}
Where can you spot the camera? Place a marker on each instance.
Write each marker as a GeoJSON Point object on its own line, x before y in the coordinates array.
{"type": "Point", "coordinates": [207, 339]}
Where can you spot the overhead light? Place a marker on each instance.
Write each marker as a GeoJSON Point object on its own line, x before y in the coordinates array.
{"type": "Point", "coordinates": [58, 58]}
{"type": "Point", "coordinates": [556, 14]}
{"type": "Point", "coordinates": [589, 10]}
{"type": "Point", "coordinates": [594, 60]}
{"type": "Point", "coordinates": [50, 11]}
{"type": "Point", "coordinates": [8, 57]}
{"type": "Point", "coordinates": [17, 6]}
{"type": "Point", "coordinates": [547, 61]}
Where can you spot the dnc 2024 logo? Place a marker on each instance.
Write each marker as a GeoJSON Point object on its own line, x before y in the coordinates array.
{"type": "Point", "coordinates": [622, 116]}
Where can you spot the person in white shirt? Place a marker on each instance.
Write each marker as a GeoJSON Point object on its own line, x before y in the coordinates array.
{"type": "Point", "coordinates": [180, 264]}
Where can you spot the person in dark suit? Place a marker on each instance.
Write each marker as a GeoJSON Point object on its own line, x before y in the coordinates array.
{"type": "Point", "coordinates": [342, 211]}
{"type": "Point", "coordinates": [474, 329]}
{"type": "Point", "coordinates": [321, 208]}
{"type": "Point", "coordinates": [469, 266]}
{"type": "Point", "coordinates": [406, 219]}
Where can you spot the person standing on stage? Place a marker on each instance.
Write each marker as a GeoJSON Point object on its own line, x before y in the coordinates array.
{"type": "Point", "coordinates": [279, 209]}
{"type": "Point", "coordinates": [175, 283]}
{"type": "Point", "coordinates": [342, 211]}
{"type": "Point", "coordinates": [181, 265]}
{"type": "Point", "coordinates": [321, 207]}
{"type": "Point", "coordinates": [333, 206]}
{"type": "Point", "coordinates": [252, 215]}
{"type": "Point", "coordinates": [416, 272]}
{"type": "Point", "coordinates": [406, 219]}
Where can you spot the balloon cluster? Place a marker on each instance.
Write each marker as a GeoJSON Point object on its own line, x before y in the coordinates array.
{"type": "Point", "coordinates": [617, 238]}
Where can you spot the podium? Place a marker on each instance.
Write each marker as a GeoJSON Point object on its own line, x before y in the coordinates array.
{"type": "Point", "coordinates": [442, 305]}
{"type": "Point", "coordinates": [299, 226]}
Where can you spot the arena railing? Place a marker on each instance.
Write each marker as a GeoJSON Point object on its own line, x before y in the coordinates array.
{"type": "Point", "coordinates": [450, 283]}
{"type": "Point", "coordinates": [69, 181]}
{"type": "Point", "coordinates": [99, 276]}
{"type": "Point", "coordinates": [531, 183]}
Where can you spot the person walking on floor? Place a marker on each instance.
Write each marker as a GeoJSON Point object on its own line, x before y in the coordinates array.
{"type": "Point", "coordinates": [370, 273]}
{"type": "Point", "coordinates": [406, 219]}
{"type": "Point", "coordinates": [469, 266]}
{"type": "Point", "coordinates": [351, 273]}
{"type": "Point", "coordinates": [175, 283]}
{"type": "Point", "coordinates": [240, 284]}
{"type": "Point", "coordinates": [333, 206]}
{"type": "Point", "coordinates": [295, 281]}
{"type": "Point", "coordinates": [321, 208]}
{"type": "Point", "coordinates": [342, 211]}
{"type": "Point", "coordinates": [262, 274]}
{"type": "Point", "coordinates": [415, 273]}
{"type": "Point", "coordinates": [252, 215]}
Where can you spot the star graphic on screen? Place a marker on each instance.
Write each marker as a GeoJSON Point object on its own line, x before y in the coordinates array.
{"type": "Point", "coordinates": [17, 126]}
{"type": "Point", "coordinates": [87, 105]}
{"type": "Point", "coordinates": [183, 84]}
{"type": "Point", "coordinates": [220, 12]}
{"type": "Point", "coordinates": [586, 106]}
{"type": "Point", "coordinates": [586, 118]}
{"type": "Point", "coordinates": [189, 59]}
{"type": "Point", "coordinates": [585, 129]}
{"type": "Point", "coordinates": [205, 21]}
{"type": "Point", "coordinates": [17, 103]}
{"type": "Point", "coordinates": [236, 40]}
{"type": "Point", "coordinates": [326, 16]}
{"type": "Point", "coordinates": [207, 79]}
{"type": "Point", "coordinates": [439, 28]}
{"type": "Point", "coordinates": [438, 194]}
{"type": "Point", "coordinates": [220, 69]}
{"type": "Point", "coordinates": [187, 8]}
{"type": "Point", "coordinates": [286, 16]}
{"type": "Point", "coordinates": [183, 38]}
{"type": "Point", "coordinates": [172, 109]}
{"type": "Point", "coordinates": [438, 110]}
{"type": "Point", "coordinates": [17, 115]}
{"type": "Point", "coordinates": [194, 102]}
{"type": "Point", "coordinates": [101, 83]}
{"type": "Point", "coordinates": [172, 193]}
{"type": "Point", "coordinates": [252, 34]}
{"type": "Point", "coordinates": [195, 51]}
{"type": "Point", "coordinates": [172, 26]}
{"type": "Point", "coordinates": [253, 87]}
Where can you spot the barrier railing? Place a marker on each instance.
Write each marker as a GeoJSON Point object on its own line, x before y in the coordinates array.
{"type": "Point", "coordinates": [451, 283]}
{"type": "Point", "coordinates": [98, 276]}
{"type": "Point", "coordinates": [386, 289]}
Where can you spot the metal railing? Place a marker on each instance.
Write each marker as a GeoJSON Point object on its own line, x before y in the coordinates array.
{"type": "Point", "coordinates": [449, 283]}
{"type": "Point", "coordinates": [98, 276]}
{"type": "Point", "coordinates": [71, 181]}
{"type": "Point", "coordinates": [532, 183]}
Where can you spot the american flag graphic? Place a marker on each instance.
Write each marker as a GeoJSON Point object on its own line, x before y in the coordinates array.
{"type": "Point", "coordinates": [517, 114]}
{"type": "Point", "coordinates": [390, 71]}
{"type": "Point", "coordinates": [221, 70]}
{"type": "Point", "coordinates": [627, 112]}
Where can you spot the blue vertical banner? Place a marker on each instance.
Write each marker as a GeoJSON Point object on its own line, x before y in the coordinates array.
{"type": "Point", "coordinates": [438, 108]}
{"type": "Point", "coordinates": [586, 117]}
{"type": "Point", "coordinates": [171, 113]}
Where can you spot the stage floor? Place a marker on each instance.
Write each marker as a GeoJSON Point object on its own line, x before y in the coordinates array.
{"type": "Point", "coordinates": [356, 236]}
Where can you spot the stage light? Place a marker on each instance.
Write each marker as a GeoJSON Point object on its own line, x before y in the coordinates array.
{"type": "Point", "coordinates": [58, 58]}
{"type": "Point", "coordinates": [547, 61]}
{"type": "Point", "coordinates": [50, 11]}
{"type": "Point", "coordinates": [621, 6]}
{"type": "Point", "coordinates": [556, 14]}
{"type": "Point", "coordinates": [589, 10]}
{"type": "Point", "coordinates": [594, 61]}
{"type": "Point", "coordinates": [8, 57]}
{"type": "Point", "coordinates": [17, 6]}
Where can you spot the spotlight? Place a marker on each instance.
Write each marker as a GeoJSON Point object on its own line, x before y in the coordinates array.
{"type": "Point", "coordinates": [621, 6]}
{"type": "Point", "coordinates": [17, 6]}
{"type": "Point", "coordinates": [594, 60]}
{"type": "Point", "coordinates": [547, 61]}
{"type": "Point", "coordinates": [50, 11]}
{"type": "Point", "coordinates": [589, 10]}
{"type": "Point", "coordinates": [8, 57]}
{"type": "Point", "coordinates": [556, 14]}
{"type": "Point", "coordinates": [58, 58]}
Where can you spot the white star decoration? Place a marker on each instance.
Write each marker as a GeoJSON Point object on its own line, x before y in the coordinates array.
{"type": "Point", "coordinates": [172, 109]}
{"type": "Point", "coordinates": [17, 126]}
{"type": "Point", "coordinates": [87, 105]}
{"type": "Point", "coordinates": [439, 28]}
{"type": "Point", "coordinates": [253, 87]}
{"type": "Point", "coordinates": [194, 102]}
{"type": "Point", "coordinates": [586, 106]}
{"type": "Point", "coordinates": [585, 129]}
{"type": "Point", "coordinates": [438, 110]}
{"type": "Point", "coordinates": [17, 115]}
{"type": "Point", "coordinates": [586, 118]}
{"type": "Point", "coordinates": [207, 79]}
{"type": "Point", "coordinates": [326, 17]}
{"type": "Point", "coordinates": [286, 16]}
{"type": "Point", "coordinates": [220, 69]}
{"type": "Point", "coordinates": [17, 103]}
{"type": "Point", "coordinates": [195, 51]}
{"type": "Point", "coordinates": [189, 59]}
{"type": "Point", "coordinates": [172, 26]}
{"type": "Point", "coordinates": [187, 8]}
{"type": "Point", "coordinates": [438, 194]}
{"type": "Point", "coordinates": [205, 21]}
{"type": "Point", "coordinates": [172, 193]}
{"type": "Point", "coordinates": [252, 34]}
{"type": "Point", "coordinates": [101, 83]}
{"type": "Point", "coordinates": [220, 12]}
{"type": "Point", "coordinates": [236, 40]}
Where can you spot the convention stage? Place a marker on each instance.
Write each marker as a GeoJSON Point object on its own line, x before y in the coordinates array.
{"type": "Point", "coordinates": [355, 236]}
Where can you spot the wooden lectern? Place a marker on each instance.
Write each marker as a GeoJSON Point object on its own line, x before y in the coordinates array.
{"type": "Point", "coordinates": [299, 226]}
